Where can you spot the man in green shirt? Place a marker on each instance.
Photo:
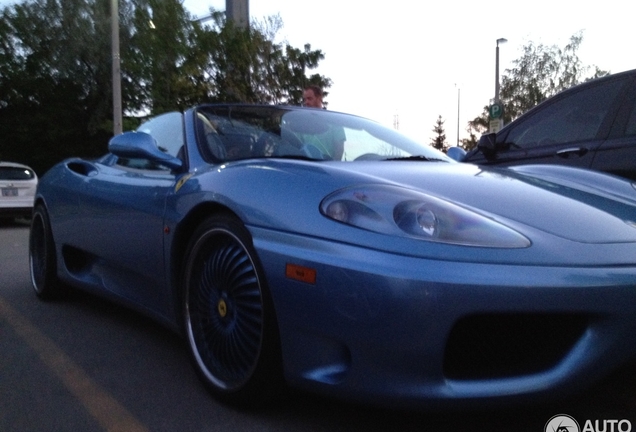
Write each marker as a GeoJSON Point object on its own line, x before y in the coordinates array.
{"type": "Point", "coordinates": [330, 142]}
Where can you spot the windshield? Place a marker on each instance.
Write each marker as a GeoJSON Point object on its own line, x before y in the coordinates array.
{"type": "Point", "coordinates": [240, 132]}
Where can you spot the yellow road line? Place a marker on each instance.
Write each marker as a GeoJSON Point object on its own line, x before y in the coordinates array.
{"type": "Point", "coordinates": [104, 408]}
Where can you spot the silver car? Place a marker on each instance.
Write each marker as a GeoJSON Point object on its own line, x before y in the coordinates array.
{"type": "Point", "coordinates": [17, 190]}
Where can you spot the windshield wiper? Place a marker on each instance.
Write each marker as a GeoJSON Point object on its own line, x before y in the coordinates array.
{"type": "Point", "coordinates": [416, 158]}
{"type": "Point", "coordinates": [297, 157]}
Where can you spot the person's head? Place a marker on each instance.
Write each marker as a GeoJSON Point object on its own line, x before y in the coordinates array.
{"type": "Point", "coordinates": [312, 97]}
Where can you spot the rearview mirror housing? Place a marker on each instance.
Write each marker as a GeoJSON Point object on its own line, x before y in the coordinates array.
{"type": "Point", "coordinates": [143, 146]}
{"type": "Point", "coordinates": [456, 153]}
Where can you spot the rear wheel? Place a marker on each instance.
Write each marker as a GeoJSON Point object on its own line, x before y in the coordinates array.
{"type": "Point", "coordinates": [42, 259]}
{"type": "Point", "coordinates": [229, 318]}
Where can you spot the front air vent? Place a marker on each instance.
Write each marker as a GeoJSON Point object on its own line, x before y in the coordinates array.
{"type": "Point", "coordinates": [507, 345]}
{"type": "Point", "coordinates": [82, 168]}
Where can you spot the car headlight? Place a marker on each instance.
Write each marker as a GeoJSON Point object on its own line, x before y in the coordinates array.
{"type": "Point", "coordinates": [394, 210]}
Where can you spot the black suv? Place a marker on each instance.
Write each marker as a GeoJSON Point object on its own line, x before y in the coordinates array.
{"type": "Point", "coordinates": [591, 125]}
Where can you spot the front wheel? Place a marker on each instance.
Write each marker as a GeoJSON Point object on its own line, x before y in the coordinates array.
{"type": "Point", "coordinates": [229, 318]}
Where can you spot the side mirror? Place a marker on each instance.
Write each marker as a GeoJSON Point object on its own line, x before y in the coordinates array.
{"type": "Point", "coordinates": [487, 144]}
{"type": "Point", "coordinates": [456, 153]}
{"type": "Point", "coordinates": [143, 146]}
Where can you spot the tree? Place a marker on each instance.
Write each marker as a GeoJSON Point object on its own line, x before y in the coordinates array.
{"type": "Point", "coordinates": [471, 141]}
{"type": "Point", "coordinates": [56, 77]}
{"type": "Point", "coordinates": [153, 61]}
{"type": "Point", "coordinates": [53, 97]}
{"type": "Point", "coordinates": [439, 140]}
{"type": "Point", "coordinates": [246, 65]}
{"type": "Point", "coordinates": [541, 72]}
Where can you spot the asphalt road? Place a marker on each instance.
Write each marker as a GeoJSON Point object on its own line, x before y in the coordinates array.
{"type": "Point", "coordinates": [84, 364]}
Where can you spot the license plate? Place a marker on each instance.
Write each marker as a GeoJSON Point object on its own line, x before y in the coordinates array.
{"type": "Point", "coordinates": [9, 192]}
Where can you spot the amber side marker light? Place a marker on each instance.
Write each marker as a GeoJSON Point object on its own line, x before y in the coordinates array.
{"type": "Point", "coordinates": [300, 273]}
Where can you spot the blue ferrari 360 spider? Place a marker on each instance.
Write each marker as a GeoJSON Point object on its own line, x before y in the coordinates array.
{"type": "Point", "coordinates": [326, 252]}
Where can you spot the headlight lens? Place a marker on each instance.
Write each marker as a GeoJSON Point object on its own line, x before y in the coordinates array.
{"type": "Point", "coordinates": [394, 210]}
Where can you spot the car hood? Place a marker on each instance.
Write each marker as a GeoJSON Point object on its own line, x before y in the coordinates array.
{"type": "Point", "coordinates": [571, 203]}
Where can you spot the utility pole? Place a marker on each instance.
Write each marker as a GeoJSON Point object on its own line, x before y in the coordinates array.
{"type": "Point", "coordinates": [238, 11]}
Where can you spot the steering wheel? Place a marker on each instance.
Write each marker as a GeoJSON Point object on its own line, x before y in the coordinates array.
{"type": "Point", "coordinates": [369, 156]}
{"type": "Point", "coordinates": [265, 145]}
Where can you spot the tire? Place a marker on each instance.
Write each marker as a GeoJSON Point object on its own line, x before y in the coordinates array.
{"type": "Point", "coordinates": [42, 258]}
{"type": "Point", "coordinates": [229, 317]}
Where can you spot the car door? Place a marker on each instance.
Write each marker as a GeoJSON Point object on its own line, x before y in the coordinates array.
{"type": "Point", "coordinates": [567, 129]}
{"type": "Point", "coordinates": [124, 208]}
{"type": "Point", "coordinates": [617, 155]}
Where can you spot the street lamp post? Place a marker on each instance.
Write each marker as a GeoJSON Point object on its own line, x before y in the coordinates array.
{"type": "Point", "coordinates": [457, 116]}
{"type": "Point", "coordinates": [502, 41]}
{"type": "Point", "coordinates": [117, 109]}
{"type": "Point", "coordinates": [495, 111]}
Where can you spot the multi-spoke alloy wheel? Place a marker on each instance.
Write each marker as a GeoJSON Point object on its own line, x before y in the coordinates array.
{"type": "Point", "coordinates": [229, 319]}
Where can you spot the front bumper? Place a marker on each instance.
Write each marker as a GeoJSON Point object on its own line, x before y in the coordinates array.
{"type": "Point", "coordinates": [393, 329]}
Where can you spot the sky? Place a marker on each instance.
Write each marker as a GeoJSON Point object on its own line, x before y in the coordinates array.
{"type": "Point", "coordinates": [414, 61]}
{"type": "Point", "coordinates": [419, 60]}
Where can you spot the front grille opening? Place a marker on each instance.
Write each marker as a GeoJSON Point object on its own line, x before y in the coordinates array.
{"type": "Point", "coordinates": [507, 345]}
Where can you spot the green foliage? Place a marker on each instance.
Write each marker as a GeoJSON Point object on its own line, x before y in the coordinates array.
{"type": "Point", "coordinates": [156, 48]}
{"type": "Point", "coordinates": [246, 65]}
{"type": "Point", "coordinates": [56, 70]}
{"type": "Point", "coordinates": [51, 80]}
{"type": "Point", "coordinates": [471, 142]}
{"type": "Point", "coordinates": [541, 72]}
{"type": "Point", "coordinates": [439, 140]}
